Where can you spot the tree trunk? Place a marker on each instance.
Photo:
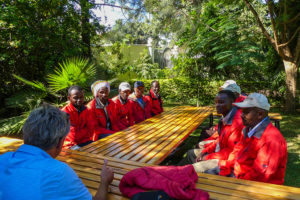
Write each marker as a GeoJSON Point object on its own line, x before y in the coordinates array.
{"type": "Point", "coordinates": [291, 71]}
{"type": "Point", "coordinates": [85, 28]}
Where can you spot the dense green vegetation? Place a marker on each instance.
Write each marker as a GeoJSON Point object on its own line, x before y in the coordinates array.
{"type": "Point", "coordinates": [217, 40]}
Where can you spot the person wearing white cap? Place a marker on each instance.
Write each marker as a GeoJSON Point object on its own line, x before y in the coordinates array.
{"type": "Point", "coordinates": [261, 155]}
{"type": "Point", "coordinates": [124, 107]}
{"type": "Point", "coordinates": [103, 111]}
{"type": "Point", "coordinates": [233, 87]}
{"type": "Point", "coordinates": [229, 133]}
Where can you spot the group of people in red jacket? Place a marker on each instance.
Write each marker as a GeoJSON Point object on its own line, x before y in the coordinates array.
{"type": "Point", "coordinates": [244, 144]}
{"type": "Point", "coordinates": [102, 116]}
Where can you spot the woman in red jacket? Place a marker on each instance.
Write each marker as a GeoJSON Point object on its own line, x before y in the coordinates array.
{"type": "Point", "coordinates": [154, 98]}
{"type": "Point", "coordinates": [103, 111]}
{"type": "Point", "coordinates": [81, 129]}
{"type": "Point", "coordinates": [124, 107]}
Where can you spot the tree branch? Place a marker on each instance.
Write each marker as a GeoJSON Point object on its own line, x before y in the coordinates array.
{"type": "Point", "coordinates": [294, 35]}
{"type": "Point", "coordinates": [260, 24]}
{"type": "Point", "coordinates": [271, 11]}
{"type": "Point", "coordinates": [112, 5]}
{"type": "Point", "coordinates": [293, 19]}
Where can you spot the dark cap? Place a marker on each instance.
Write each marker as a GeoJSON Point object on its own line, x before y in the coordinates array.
{"type": "Point", "coordinates": [138, 84]}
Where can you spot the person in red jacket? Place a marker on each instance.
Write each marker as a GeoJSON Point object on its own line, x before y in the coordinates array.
{"type": "Point", "coordinates": [81, 129]}
{"type": "Point", "coordinates": [140, 104]}
{"type": "Point", "coordinates": [124, 107]}
{"type": "Point", "coordinates": [229, 130]}
{"type": "Point", "coordinates": [212, 132]}
{"type": "Point", "coordinates": [155, 100]}
{"type": "Point", "coordinates": [103, 111]}
{"type": "Point", "coordinates": [261, 155]}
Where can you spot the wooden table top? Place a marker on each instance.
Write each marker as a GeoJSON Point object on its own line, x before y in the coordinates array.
{"type": "Point", "coordinates": [88, 167]}
{"type": "Point", "coordinates": [152, 140]}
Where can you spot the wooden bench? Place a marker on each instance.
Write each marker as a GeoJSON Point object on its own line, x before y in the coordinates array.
{"type": "Point", "coordinates": [276, 117]}
{"type": "Point", "coordinates": [88, 167]}
{"type": "Point", "coordinates": [152, 140]}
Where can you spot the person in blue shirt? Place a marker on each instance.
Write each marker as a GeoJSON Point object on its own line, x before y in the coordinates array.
{"type": "Point", "coordinates": [32, 172]}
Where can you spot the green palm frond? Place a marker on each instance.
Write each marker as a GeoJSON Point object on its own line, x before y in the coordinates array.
{"type": "Point", "coordinates": [34, 84]}
{"type": "Point", "coordinates": [13, 124]}
{"type": "Point", "coordinates": [74, 71]}
{"type": "Point", "coordinates": [25, 99]}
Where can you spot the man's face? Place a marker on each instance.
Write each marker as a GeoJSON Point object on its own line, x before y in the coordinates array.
{"type": "Point", "coordinates": [124, 94]}
{"type": "Point", "coordinates": [251, 116]}
{"type": "Point", "coordinates": [155, 87]}
{"type": "Point", "coordinates": [76, 98]}
{"type": "Point", "coordinates": [139, 91]}
{"type": "Point", "coordinates": [223, 104]}
{"type": "Point", "coordinates": [102, 94]}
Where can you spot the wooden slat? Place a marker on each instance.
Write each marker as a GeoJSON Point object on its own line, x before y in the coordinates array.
{"type": "Point", "coordinates": [131, 130]}
{"type": "Point", "coordinates": [169, 141]}
{"type": "Point", "coordinates": [114, 143]}
{"type": "Point", "coordinates": [143, 142]}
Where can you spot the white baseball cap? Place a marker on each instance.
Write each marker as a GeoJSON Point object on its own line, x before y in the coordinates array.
{"type": "Point", "coordinates": [232, 87]}
{"type": "Point", "coordinates": [124, 86]}
{"type": "Point", "coordinates": [254, 100]}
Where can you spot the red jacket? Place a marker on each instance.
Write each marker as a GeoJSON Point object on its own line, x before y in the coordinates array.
{"type": "Point", "coordinates": [140, 113]}
{"type": "Point", "coordinates": [229, 136]}
{"type": "Point", "coordinates": [156, 103]}
{"type": "Point", "coordinates": [262, 157]}
{"type": "Point", "coordinates": [124, 113]}
{"type": "Point", "coordinates": [241, 98]}
{"type": "Point", "coordinates": [177, 182]}
{"type": "Point", "coordinates": [98, 118]}
{"type": "Point", "coordinates": [81, 129]}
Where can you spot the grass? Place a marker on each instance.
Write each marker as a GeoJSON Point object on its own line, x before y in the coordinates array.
{"type": "Point", "coordinates": [289, 127]}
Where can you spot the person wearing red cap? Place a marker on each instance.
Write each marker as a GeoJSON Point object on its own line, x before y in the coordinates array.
{"type": "Point", "coordinates": [261, 155]}
{"type": "Point", "coordinates": [140, 104]}
{"type": "Point", "coordinates": [155, 100]}
{"type": "Point", "coordinates": [124, 107]}
{"type": "Point", "coordinates": [103, 111]}
{"type": "Point", "coordinates": [81, 128]}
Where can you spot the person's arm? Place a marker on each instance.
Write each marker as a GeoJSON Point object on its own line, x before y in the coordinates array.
{"type": "Point", "coordinates": [107, 176]}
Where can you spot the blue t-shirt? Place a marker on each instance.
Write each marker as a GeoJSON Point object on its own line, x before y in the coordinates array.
{"type": "Point", "coordinates": [31, 173]}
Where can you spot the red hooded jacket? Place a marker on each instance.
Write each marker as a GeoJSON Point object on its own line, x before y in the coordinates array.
{"type": "Point", "coordinates": [99, 121]}
{"type": "Point", "coordinates": [229, 135]}
{"type": "Point", "coordinates": [81, 128]}
{"type": "Point", "coordinates": [261, 157]}
{"type": "Point", "coordinates": [124, 113]}
{"type": "Point", "coordinates": [140, 112]}
{"type": "Point", "coordinates": [156, 103]}
{"type": "Point", "coordinates": [177, 182]}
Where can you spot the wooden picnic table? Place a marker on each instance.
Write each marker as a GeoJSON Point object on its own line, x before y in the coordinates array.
{"type": "Point", "coordinates": [88, 167]}
{"type": "Point", "coordinates": [152, 140]}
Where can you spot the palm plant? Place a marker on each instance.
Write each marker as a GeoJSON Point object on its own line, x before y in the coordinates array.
{"type": "Point", "coordinates": [74, 71]}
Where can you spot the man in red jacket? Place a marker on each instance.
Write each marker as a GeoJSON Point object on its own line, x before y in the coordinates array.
{"type": "Point", "coordinates": [124, 107]}
{"type": "Point", "coordinates": [212, 132]}
{"type": "Point", "coordinates": [261, 155]}
{"type": "Point", "coordinates": [103, 111]}
{"type": "Point", "coordinates": [81, 129]}
{"type": "Point", "coordinates": [140, 104]}
{"type": "Point", "coordinates": [229, 130]}
{"type": "Point", "coordinates": [155, 100]}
